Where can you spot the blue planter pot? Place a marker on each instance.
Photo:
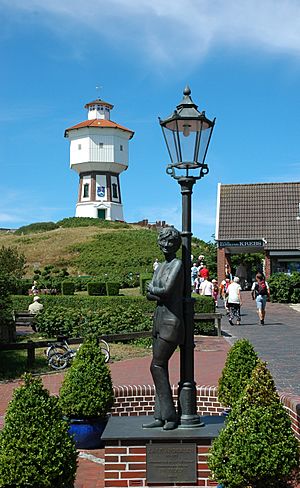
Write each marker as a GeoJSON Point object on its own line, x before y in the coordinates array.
{"type": "Point", "coordinates": [87, 432]}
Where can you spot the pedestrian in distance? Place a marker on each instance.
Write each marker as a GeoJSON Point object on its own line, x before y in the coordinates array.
{"type": "Point", "coordinates": [234, 301]}
{"type": "Point", "coordinates": [215, 292]}
{"type": "Point", "coordinates": [260, 292]}
{"type": "Point", "coordinates": [197, 284]}
{"type": "Point", "coordinates": [224, 291]}
{"type": "Point", "coordinates": [35, 307]}
{"type": "Point", "coordinates": [194, 273]}
{"type": "Point", "coordinates": [203, 273]}
{"type": "Point", "coordinates": [34, 288]}
{"type": "Point", "coordinates": [206, 288]}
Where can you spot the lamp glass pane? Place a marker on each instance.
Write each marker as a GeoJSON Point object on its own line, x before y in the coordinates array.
{"type": "Point", "coordinates": [172, 143]}
{"type": "Point", "coordinates": [203, 144]}
{"type": "Point", "coordinates": [187, 143]}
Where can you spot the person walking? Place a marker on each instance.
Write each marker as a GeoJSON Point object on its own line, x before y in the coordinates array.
{"type": "Point", "coordinates": [234, 301]}
{"type": "Point", "coordinates": [194, 273]}
{"type": "Point", "coordinates": [224, 291]}
{"type": "Point", "coordinates": [206, 288]}
{"type": "Point", "coordinates": [260, 292]}
{"type": "Point", "coordinates": [203, 273]}
{"type": "Point", "coordinates": [215, 292]}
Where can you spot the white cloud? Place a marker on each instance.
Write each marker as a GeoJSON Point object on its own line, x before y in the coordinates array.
{"type": "Point", "coordinates": [7, 217]}
{"type": "Point", "coordinates": [169, 31]}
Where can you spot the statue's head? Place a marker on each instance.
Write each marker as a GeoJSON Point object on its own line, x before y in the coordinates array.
{"type": "Point", "coordinates": [169, 240]}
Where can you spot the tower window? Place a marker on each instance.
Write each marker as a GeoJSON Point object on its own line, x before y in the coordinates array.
{"type": "Point", "coordinates": [114, 190]}
{"type": "Point", "coordinates": [121, 147]}
{"type": "Point", "coordinates": [79, 147]}
{"type": "Point", "coordinates": [86, 188]}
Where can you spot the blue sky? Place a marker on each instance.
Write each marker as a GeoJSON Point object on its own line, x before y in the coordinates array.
{"type": "Point", "coordinates": [240, 58]}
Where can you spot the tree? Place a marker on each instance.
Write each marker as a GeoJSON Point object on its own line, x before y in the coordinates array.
{"type": "Point", "coordinates": [257, 448]}
{"type": "Point", "coordinates": [12, 262]}
{"type": "Point", "coordinates": [240, 362]}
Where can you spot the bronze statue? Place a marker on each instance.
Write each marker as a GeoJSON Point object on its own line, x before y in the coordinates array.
{"type": "Point", "coordinates": [166, 288]}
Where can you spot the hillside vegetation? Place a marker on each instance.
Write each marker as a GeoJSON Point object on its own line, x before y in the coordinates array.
{"type": "Point", "coordinates": [89, 247]}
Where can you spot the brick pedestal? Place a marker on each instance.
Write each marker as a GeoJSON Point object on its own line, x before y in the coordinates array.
{"type": "Point", "coordinates": [126, 450]}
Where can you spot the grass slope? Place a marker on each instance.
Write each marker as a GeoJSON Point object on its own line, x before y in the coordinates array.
{"type": "Point", "coordinates": [93, 250]}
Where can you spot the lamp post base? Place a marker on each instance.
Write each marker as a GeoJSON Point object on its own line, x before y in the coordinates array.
{"type": "Point", "coordinates": [188, 417]}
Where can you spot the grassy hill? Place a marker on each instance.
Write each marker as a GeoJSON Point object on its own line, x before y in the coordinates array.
{"type": "Point", "coordinates": [88, 248]}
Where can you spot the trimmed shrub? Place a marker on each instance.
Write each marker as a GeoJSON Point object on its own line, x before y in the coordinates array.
{"type": "Point", "coordinates": [257, 448]}
{"type": "Point", "coordinates": [204, 304]}
{"type": "Point", "coordinates": [285, 288]}
{"type": "Point", "coordinates": [67, 288]}
{"type": "Point", "coordinates": [112, 289]}
{"type": "Point", "coordinates": [23, 286]}
{"type": "Point", "coordinates": [59, 320]}
{"type": "Point", "coordinates": [144, 279]}
{"type": "Point", "coordinates": [76, 314]}
{"type": "Point", "coordinates": [96, 289]}
{"type": "Point", "coordinates": [35, 448]}
{"type": "Point", "coordinates": [87, 389]}
{"type": "Point", "coordinates": [240, 362]}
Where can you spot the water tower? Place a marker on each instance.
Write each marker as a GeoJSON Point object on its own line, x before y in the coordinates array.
{"type": "Point", "coordinates": [99, 154]}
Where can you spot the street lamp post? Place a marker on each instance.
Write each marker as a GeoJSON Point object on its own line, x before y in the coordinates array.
{"type": "Point", "coordinates": [187, 133]}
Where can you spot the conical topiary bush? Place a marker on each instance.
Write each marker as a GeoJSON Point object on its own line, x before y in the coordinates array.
{"type": "Point", "coordinates": [35, 448]}
{"type": "Point", "coordinates": [257, 448]}
{"type": "Point", "coordinates": [240, 362]}
{"type": "Point", "coordinates": [87, 389]}
{"type": "Point", "coordinates": [86, 396]}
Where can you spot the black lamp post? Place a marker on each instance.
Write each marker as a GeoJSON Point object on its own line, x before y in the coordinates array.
{"type": "Point", "coordinates": [187, 133]}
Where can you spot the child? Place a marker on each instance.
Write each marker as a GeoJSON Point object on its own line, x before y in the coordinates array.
{"type": "Point", "coordinates": [215, 291]}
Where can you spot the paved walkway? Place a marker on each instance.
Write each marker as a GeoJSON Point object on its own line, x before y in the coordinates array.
{"type": "Point", "coordinates": [277, 342]}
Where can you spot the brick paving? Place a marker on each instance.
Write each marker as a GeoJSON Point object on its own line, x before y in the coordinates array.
{"type": "Point", "coordinates": [277, 342]}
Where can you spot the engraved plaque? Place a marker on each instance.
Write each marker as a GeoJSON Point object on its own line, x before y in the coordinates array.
{"type": "Point", "coordinates": [171, 463]}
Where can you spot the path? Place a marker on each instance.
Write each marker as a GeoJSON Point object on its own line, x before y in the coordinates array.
{"type": "Point", "coordinates": [277, 342]}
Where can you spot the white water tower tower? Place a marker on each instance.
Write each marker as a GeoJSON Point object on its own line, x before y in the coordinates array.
{"type": "Point", "coordinates": [99, 153]}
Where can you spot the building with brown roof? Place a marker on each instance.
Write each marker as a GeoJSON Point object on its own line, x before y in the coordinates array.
{"type": "Point", "coordinates": [260, 217]}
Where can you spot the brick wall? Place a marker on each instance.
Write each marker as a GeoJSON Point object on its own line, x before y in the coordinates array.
{"type": "Point", "coordinates": [139, 400]}
{"type": "Point", "coordinates": [125, 466]}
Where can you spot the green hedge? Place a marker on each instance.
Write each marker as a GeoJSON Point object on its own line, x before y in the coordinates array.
{"type": "Point", "coordinates": [285, 288]}
{"type": "Point", "coordinates": [111, 314]}
{"type": "Point", "coordinates": [204, 304]}
{"type": "Point", "coordinates": [96, 289]}
{"type": "Point", "coordinates": [67, 288]}
{"type": "Point", "coordinates": [144, 279]}
{"type": "Point", "coordinates": [112, 289]}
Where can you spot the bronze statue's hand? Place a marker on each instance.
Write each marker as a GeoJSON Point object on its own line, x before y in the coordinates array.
{"type": "Point", "coordinates": [149, 287]}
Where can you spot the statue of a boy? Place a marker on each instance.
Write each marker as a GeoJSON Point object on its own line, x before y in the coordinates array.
{"type": "Point", "coordinates": [166, 288]}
